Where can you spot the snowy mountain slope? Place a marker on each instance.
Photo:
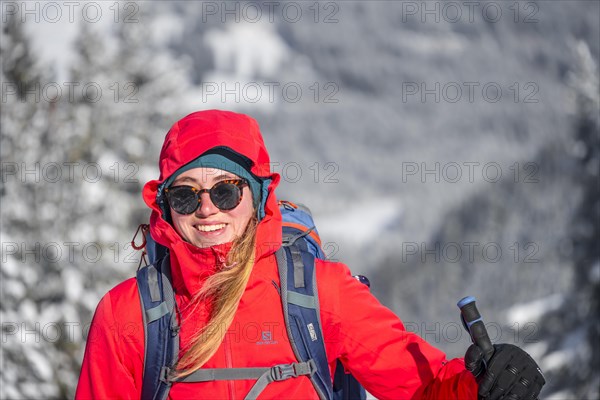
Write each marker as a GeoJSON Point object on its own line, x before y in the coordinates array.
{"type": "Point", "coordinates": [377, 115]}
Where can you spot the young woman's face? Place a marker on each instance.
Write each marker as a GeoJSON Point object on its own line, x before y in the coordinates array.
{"type": "Point", "coordinates": [208, 225]}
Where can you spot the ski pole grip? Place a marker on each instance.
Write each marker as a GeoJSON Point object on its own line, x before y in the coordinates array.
{"type": "Point", "coordinates": [474, 324]}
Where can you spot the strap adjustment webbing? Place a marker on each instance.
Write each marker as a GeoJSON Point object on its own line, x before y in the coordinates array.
{"type": "Point", "coordinates": [278, 373]}
{"type": "Point", "coordinates": [282, 372]}
{"type": "Point", "coordinates": [264, 375]}
{"type": "Point", "coordinates": [164, 375]}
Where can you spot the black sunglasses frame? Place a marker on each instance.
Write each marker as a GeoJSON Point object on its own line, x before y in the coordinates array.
{"type": "Point", "coordinates": [238, 183]}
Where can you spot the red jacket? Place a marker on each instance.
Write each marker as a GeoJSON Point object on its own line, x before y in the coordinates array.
{"type": "Point", "coordinates": [369, 339]}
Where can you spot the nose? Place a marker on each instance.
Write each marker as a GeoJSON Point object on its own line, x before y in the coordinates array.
{"type": "Point", "coordinates": [207, 208]}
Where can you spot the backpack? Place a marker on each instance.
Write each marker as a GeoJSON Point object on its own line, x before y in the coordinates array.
{"type": "Point", "coordinates": [296, 264]}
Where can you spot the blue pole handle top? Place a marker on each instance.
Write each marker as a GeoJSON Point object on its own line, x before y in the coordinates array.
{"type": "Point", "coordinates": [465, 300]}
{"type": "Point", "coordinates": [475, 326]}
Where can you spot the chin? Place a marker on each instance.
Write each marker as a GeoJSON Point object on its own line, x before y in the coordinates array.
{"type": "Point", "coordinates": [203, 244]}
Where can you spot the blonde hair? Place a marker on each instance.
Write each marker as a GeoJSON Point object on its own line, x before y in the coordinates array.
{"type": "Point", "coordinates": [223, 290]}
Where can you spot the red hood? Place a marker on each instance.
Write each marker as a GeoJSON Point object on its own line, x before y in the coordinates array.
{"type": "Point", "coordinates": [187, 139]}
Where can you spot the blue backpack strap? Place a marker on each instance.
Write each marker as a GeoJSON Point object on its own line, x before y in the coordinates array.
{"type": "Point", "coordinates": [155, 251]}
{"type": "Point", "coordinates": [345, 385]}
{"type": "Point", "coordinates": [301, 311]}
{"type": "Point", "coordinates": [161, 328]}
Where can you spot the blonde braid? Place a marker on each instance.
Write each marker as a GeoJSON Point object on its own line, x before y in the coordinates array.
{"type": "Point", "coordinates": [225, 289]}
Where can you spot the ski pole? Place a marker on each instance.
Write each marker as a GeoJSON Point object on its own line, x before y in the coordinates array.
{"type": "Point", "coordinates": [474, 325]}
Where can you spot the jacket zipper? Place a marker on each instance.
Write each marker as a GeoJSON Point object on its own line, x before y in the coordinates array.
{"type": "Point", "coordinates": [229, 364]}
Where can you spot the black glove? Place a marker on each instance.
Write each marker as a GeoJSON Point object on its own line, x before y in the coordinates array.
{"type": "Point", "coordinates": [511, 374]}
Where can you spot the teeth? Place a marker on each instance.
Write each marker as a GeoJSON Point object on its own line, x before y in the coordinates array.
{"type": "Point", "coordinates": [210, 228]}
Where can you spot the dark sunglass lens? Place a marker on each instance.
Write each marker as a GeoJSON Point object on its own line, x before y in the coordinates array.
{"type": "Point", "coordinates": [183, 200]}
{"type": "Point", "coordinates": [226, 196]}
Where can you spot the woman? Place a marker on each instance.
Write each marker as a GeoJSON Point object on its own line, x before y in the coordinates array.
{"type": "Point", "coordinates": [214, 208]}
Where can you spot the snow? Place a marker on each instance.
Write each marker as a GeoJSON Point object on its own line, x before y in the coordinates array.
{"type": "Point", "coordinates": [240, 93]}
{"type": "Point", "coordinates": [110, 164]}
{"type": "Point", "coordinates": [49, 211]}
{"type": "Point", "coordinates": [134, 145]}
{"type": "Point", "coordinates": [532, 311]}
{"type": "Point", "coordinates": [248, 50]}
{"type": "Point", "coordinates": [590, 65]}
{"type": "Point", "coordinates": [39, 390]}
{"type": "Point", "coordinates": [107, 234]}
{"type": "Point", "coordinates": [556, 360]}
{"type": "Point", "coordinates": [165, 28]}
{"type": "Point", "coordinates": [537, 349]}
{"type": "Point", "coordinates": [54, 45]}
{"type": "Point", "coordinates": [13, 288]}
{"type": "Point", "coordinates": [360, 223]}
{"type": "Point", "coordinates": [29, 274]}
{"type": "Point", "coordinates": [93, 190]}
{"type": "Point", "coordinates": [73, 283]}
{"type": "Point", "coordinates": [89, 300]}
{"type": "Point", "coordinates": [9, 391]}
{"type": "Point", "coordinates": [147, 173]}
{"type": "Point", "coordinates": [561, 395]}
{"type": "Point", "coordinates": [10, 266]}
{"type": "Point", "coordinates": [28, 310]}
{"type": "Point", "coordinates": [40, 363]}
{"type": "Point", "coordinates": [448, 43]}
{"type": "Point", "coordinates": [248, 58]}
{"type": "Point", "coordinates": [53, 36]}
{"type": "Point", "coordinates": [18, 209]}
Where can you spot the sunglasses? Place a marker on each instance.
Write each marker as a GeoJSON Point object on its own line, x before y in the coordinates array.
{"type": "Point", "coordinates": [225, 195]}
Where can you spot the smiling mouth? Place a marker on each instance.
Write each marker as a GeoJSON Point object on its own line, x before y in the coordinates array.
{"type": "Point", "coordinates": [210, 228]}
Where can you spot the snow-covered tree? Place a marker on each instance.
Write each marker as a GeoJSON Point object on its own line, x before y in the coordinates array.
{"type": "Point", "coordinates": [569, 334]}
{"type": "Point", "coordinates": [67, 225]}
{"type": "Point", "coordinates": [36, 356]}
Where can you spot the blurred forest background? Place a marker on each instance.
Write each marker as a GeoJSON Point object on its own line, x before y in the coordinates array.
{"type": "Point", "coordinates": [446, 150]}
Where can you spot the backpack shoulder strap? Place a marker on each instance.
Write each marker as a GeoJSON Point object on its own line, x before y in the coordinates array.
{"type": "Point", "coordinates": [161, 336]}
{"type": "Point", "coordinates": [161, 327]}
{"type": "Point", "coordinates": [301, 311]}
